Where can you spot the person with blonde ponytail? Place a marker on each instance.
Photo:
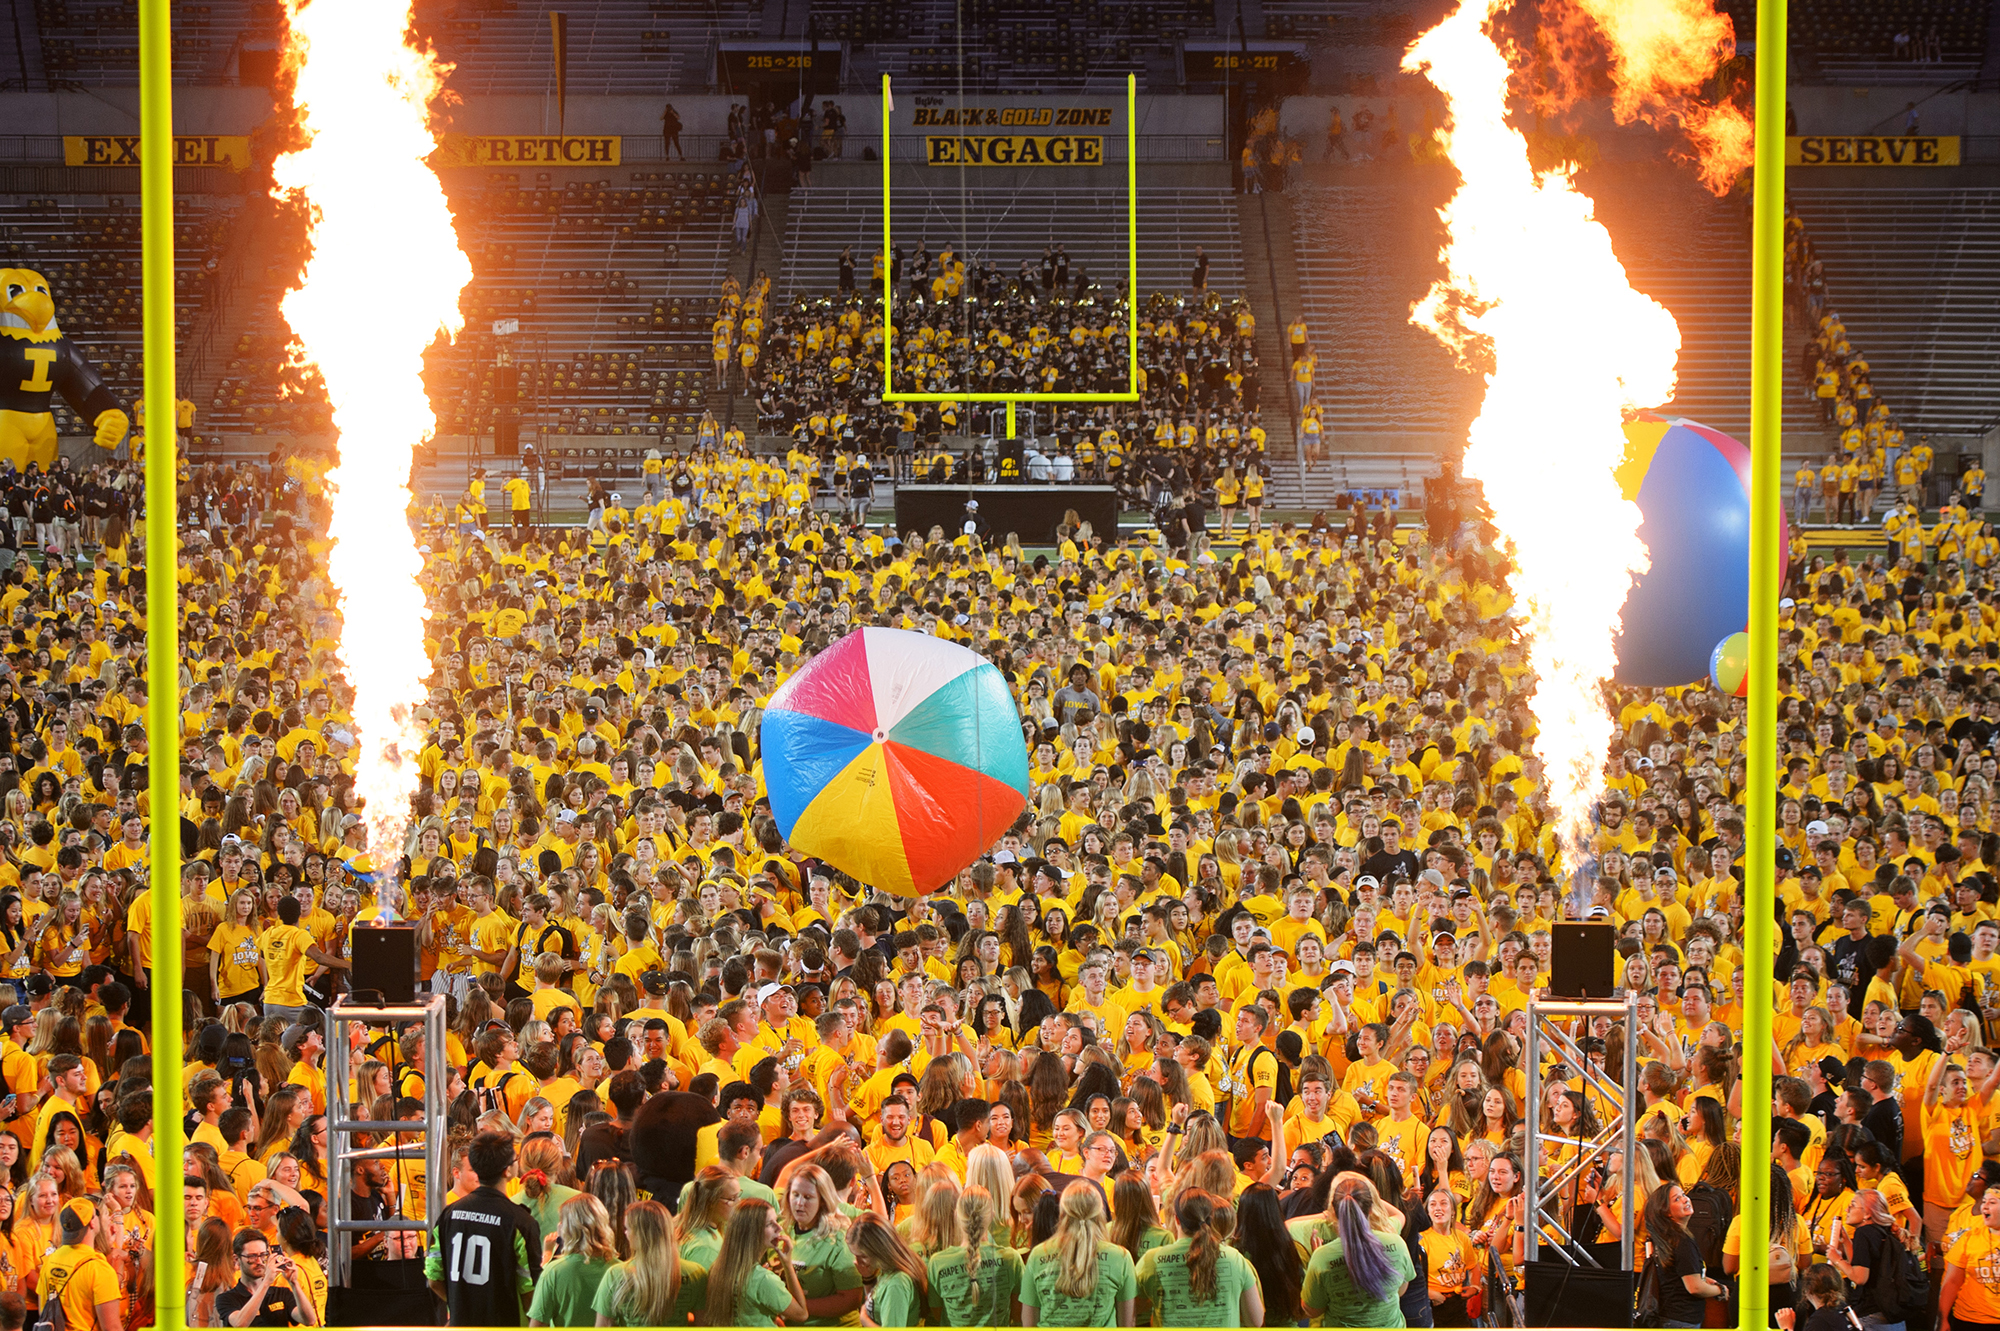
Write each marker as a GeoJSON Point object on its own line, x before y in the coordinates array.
{"type": "Point", "coordinates": [575, 1258]}
{"type": "Point", "coordinates": [898, 1286]}
{"type": "Point", "coordinates": [654, 1287]}
{"type": "Point", "coordinates": [1079, 1277]}
{"type": "Point", "coordinates": [1197, 1280]}
{"type": "Point", "coordinates": [1357, 1277]}
{"type": "Point", "coordinates": [753, 1282]}
{"type": "Point", "coordinates": [933, 1223]}
{"type": "Point", "coordinates": [698, 1229]}
{"type": "Point", "coordinates": [977, 1282]}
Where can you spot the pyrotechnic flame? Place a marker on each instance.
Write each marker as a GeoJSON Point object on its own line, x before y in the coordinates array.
{"type": "Point", "coordinates": [1658, 56]}
{"type": "Point", "coordinates": [382, 283]}
{"type": "Point", "coordinates": [1534, 295]}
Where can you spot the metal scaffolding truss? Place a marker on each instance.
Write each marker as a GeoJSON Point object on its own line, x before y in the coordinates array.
{"type": "Point", "coordinates": [1616, 1131]}
{"type": "Point", "coordinates": [342, 1127]}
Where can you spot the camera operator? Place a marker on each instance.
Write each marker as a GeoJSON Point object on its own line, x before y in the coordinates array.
{"type": "Point", "coordinates": [268, 1292]}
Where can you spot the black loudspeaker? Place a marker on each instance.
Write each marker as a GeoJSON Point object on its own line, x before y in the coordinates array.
{"type": "Point", "coordinates": [385, 1294]}
{"type": "Point", "coordinates": [1580, 966]}
{"type": "Point", "coordinates": [506, 436]}
{"type": "Point", "coordinates": [385, 960]}
{"type": "Point", "coordinates": [1559, 1294]}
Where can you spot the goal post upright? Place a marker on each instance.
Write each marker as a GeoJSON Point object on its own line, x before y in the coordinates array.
{"type": "Point", "coordinates": [1131, 394]}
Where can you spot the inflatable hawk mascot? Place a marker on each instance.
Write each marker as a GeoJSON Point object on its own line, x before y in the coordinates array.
{"type": "Point", "coordinates": [36, 360]}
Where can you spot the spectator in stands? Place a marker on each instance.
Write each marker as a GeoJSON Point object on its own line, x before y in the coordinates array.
{"type": "Point", "coordinates": [670, 131]}
{"type": "Point", "coordinates": [833, 128]}
{"type": "Point", "coordinates": [1336, 137]}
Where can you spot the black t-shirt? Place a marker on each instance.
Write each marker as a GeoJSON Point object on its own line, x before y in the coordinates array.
{"type": "Point", "coordinates": [276, 1309]}
{"type": "Point", "coordinates": [1884, 1121]}
{"type": "Point", "coordinates": [1871, 1248]}
{"type": "Point", "coordinates": [1676, 1304]}
{"type": "Point", "coordinates": [1381, 864]}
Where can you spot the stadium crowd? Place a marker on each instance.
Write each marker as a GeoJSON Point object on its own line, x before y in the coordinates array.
{"type": "Point", "coordinates": [1228, 1028]}
{"type": "Point", "coordinates": [1051, 328]}
{"type": "Point", "coordinates": [1872, 462]}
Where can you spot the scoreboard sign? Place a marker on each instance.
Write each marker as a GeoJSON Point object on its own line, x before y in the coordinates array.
{"type": "Point", "coordinates": [1234, 62]}
{"type": "Point", "coordinates": [744, 61]}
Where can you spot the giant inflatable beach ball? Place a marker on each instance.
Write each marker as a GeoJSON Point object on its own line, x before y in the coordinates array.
{"type": "Point", "coordinates": [895, 757]}
{"type": "Point", "coordinates": [1692, 485]}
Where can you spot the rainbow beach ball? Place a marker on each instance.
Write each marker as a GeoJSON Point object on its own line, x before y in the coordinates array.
{"type": "Point", "coordinates": [1729, 665]}
{"type": "Point", "coordinates": [1692, 485]}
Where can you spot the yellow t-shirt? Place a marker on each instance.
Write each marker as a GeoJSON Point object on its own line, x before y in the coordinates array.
{"type": "Point", "coordinates": [1977, 1253]}
{"type": "Point", "coordinates": [83, 1279]}
{"type": "Point", "coordinates": [236, 944]}
{"type": "Point", "coordinates": [283, 947]}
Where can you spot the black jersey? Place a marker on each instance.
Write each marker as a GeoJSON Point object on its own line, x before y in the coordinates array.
{"type": "Point", "coordinates": [488, 1252]}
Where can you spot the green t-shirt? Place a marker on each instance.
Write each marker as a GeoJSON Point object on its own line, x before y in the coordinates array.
{"type": "Point", "coordinates": [547, 1209]}
{"type": "Point", "coordinates": [1163, 1282]}
{"type": "Point", "coordinates": [1329, 1293]}
{"type": "Point", "coordinates": [1155, 1237]}
{"type": "Point", "coordinates": [763, 1297]}
{"type": "Point", "coordinates": [700, 1247]}
{"type": "Point", "coordinates": [566, 1293]}
{"type": "Point", "coordinates": [894, 1301]}
{"type": "Point", "coordinates": [825, 1265]}
{"type": "Point", "coordinates": [999, 1285]}
{"type": "Point", "coordinates": [611, 1300]}
{"type": "Point", "coordinates": [1115, 1284]}
{"type": "Point", "coordinates": [747, 1189]}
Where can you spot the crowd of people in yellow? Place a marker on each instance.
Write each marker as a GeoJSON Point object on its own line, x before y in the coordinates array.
{"type": "Point", "coordinates": [1229, 1029]}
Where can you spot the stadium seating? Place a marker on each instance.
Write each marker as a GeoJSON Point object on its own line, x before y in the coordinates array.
{"type": "Point", "coordinates": [1366, 252]}
{"type": "Point", "coordinates": [1011, 225]}
{"type": "Point", "coordinates": [614, 342]}
{"type": "Point", "coordinates": [626, 46]}
{"type": "Point", "coordinates": [1854, 41]}
{"type": "Point", "coordinates": [95, 43]}
{"type": "Point", "coordinates": [88, 248]}
{"type": "Point", "coordinates": [1915, 275]}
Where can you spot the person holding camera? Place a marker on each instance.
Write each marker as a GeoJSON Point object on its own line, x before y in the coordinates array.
{"type": "Point", "coordinates": [269, 1291]}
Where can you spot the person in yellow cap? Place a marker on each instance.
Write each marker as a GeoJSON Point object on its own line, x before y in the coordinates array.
{"type": "Point", "coordinates": [77, 1275]}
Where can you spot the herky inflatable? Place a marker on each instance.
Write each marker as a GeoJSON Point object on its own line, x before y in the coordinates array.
{"type": "Point", "coordinates": [36, 360]}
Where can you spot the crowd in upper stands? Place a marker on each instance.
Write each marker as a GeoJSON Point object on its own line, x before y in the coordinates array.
{"type": "Point", "coordinates": [817, 368]}
{"type": "Point", "coordinates": [1873, 461]}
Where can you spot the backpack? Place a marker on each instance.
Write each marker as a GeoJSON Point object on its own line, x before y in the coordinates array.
{"type": "Point", "coordinates": [1709, 1225]}
{"type": "Point", "coordinates": [1905, 1288]}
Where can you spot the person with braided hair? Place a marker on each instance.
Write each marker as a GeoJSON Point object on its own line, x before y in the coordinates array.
{"type": "Point", "coordinates": [977, 1283]}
